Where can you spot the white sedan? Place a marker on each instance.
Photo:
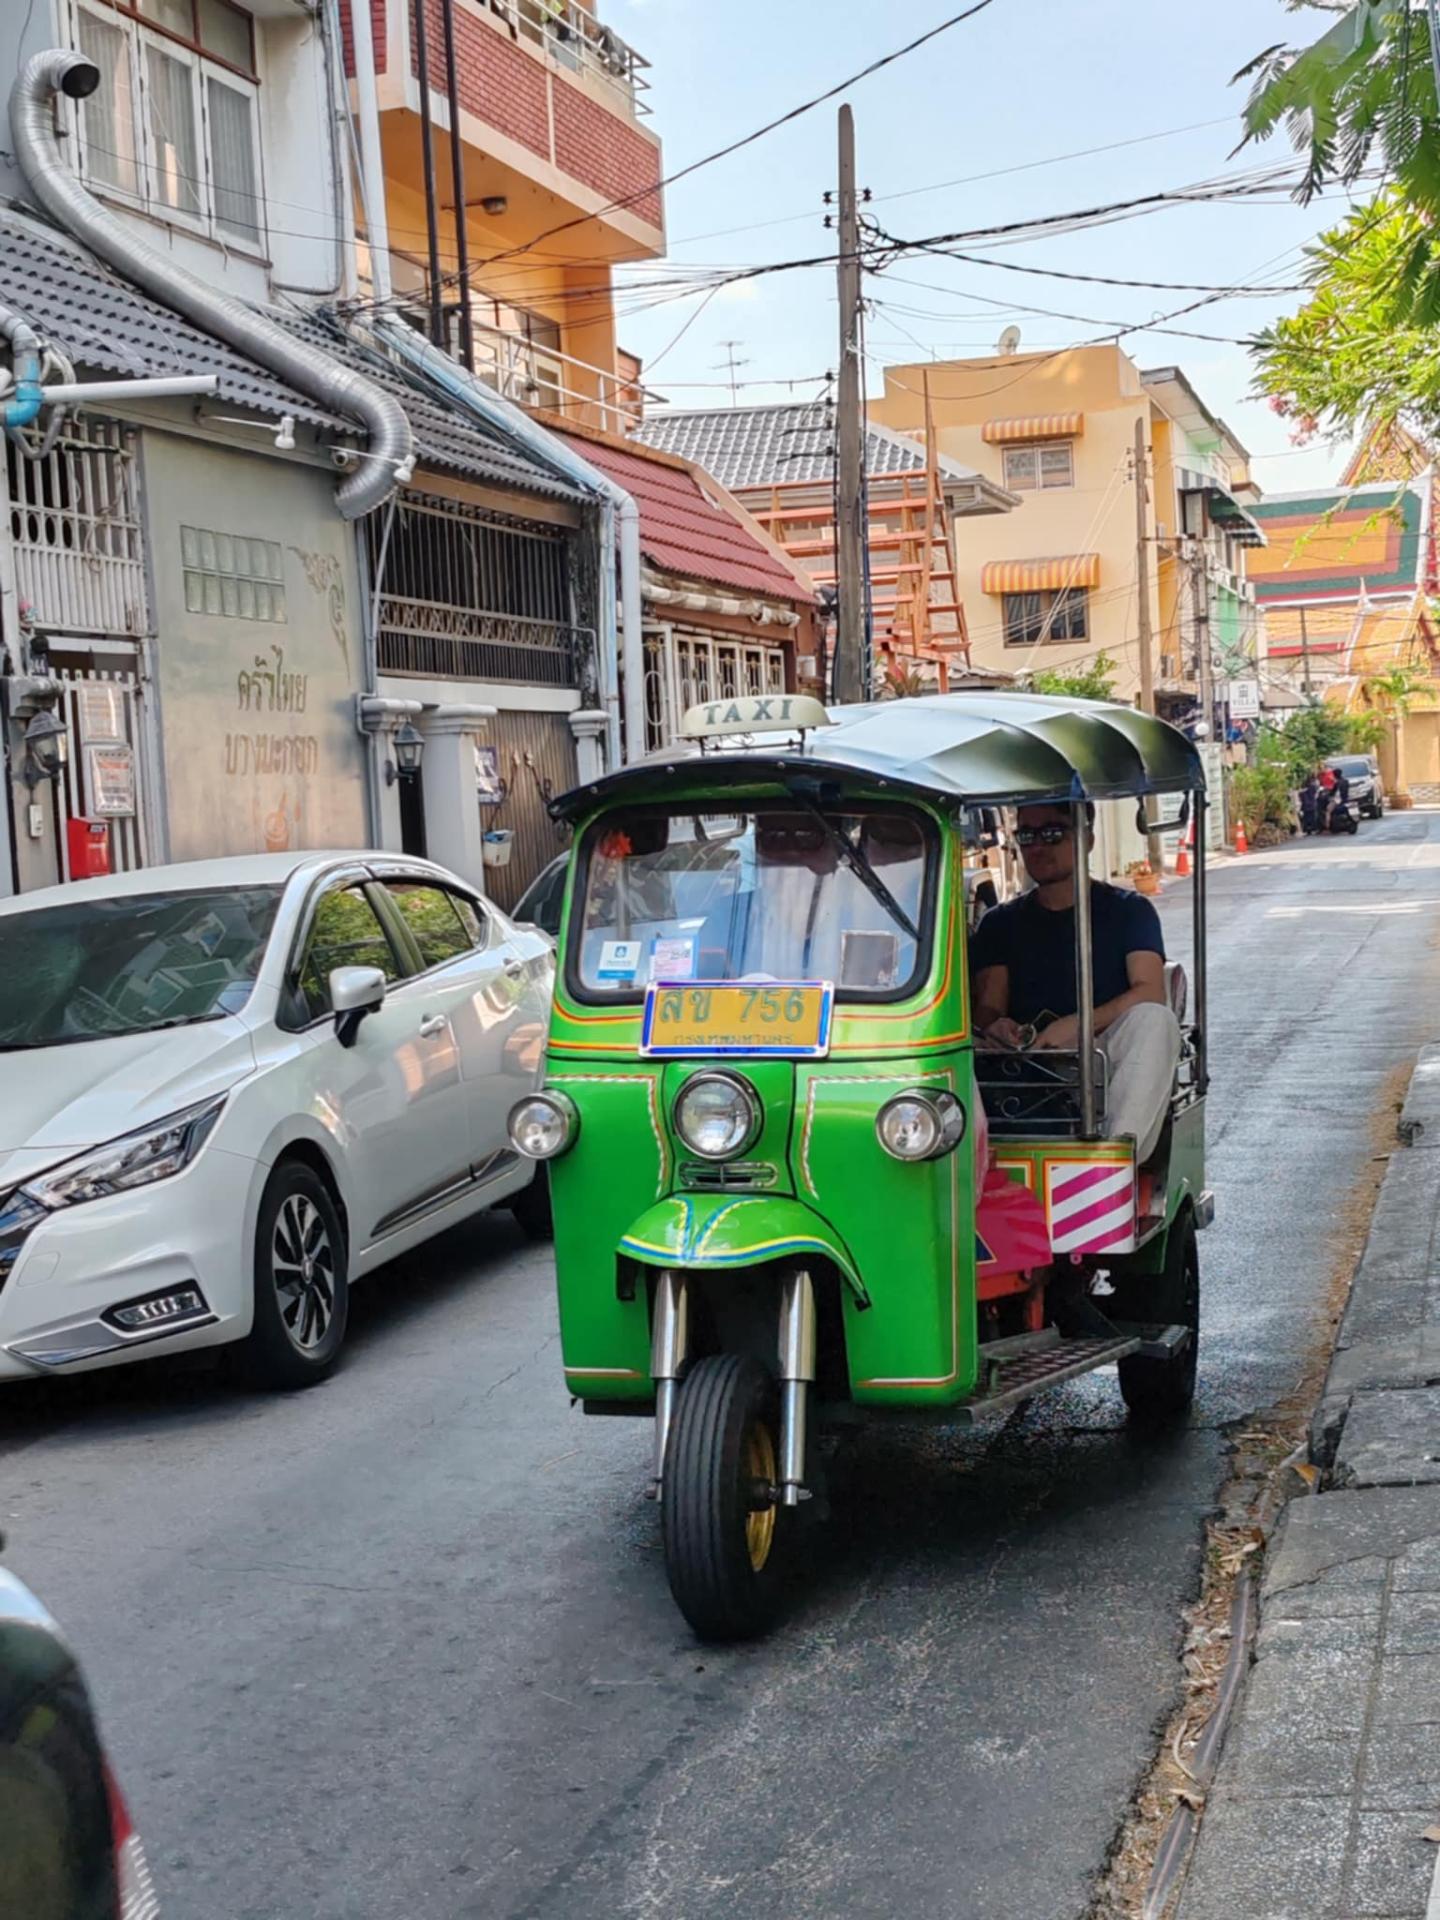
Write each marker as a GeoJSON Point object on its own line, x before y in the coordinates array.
{"type": "Point", "coordinates": [230, 1088]}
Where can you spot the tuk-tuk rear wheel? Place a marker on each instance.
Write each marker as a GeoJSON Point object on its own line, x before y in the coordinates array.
{"type": "Point", "coordinates": [1156, 1391]}
{"type": "Point", "coordinates": [725, 1538]}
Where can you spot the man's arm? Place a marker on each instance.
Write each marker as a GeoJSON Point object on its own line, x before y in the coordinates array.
{"type": "Point", "coordinates": [992, 1001]}
{"type": "Point", "coordinates": [1146, 973]}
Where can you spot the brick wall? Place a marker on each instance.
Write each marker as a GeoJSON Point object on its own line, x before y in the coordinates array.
{"type": "Point", "coordinates": [498, 82]}
{"type": "Point", "coordinates": [377, 31]}
{"type": "Point", "coordinates": [606, 153]}
{"type": "Point", "coordinates": [503, 85]}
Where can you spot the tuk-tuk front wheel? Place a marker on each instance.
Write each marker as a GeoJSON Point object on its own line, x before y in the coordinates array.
{"type": "Point", "coordinates": [1155, 1390]}
{"type": "Point", "coordinates": [726, 1540]}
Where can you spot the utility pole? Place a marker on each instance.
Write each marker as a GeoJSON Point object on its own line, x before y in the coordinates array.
{"type": "Point", "coordinates": [852, 638]}
{"type": "Point", "coordinates": [1142, 570]}
{"type": "Point", "coordinates": [427, 153]}
{"type": "Point", "coordinates": [457, 181]}
{"type": "Point", "coordinates": [1200, 577]}
{"type": "Point", "coordinates": [1305, 652]}
{"type": "Point", "coordinates": [1154, 853]}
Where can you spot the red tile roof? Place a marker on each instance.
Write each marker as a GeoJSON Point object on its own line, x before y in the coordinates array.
{"type": "Point", "coordinates": [691, 529]}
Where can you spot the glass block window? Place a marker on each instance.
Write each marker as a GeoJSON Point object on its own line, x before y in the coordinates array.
{"type": "Point", "coordinates": [232, 575]}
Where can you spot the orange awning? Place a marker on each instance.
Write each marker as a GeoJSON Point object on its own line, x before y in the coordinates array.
{"type": "Point", "coordinates": [1040, 576]}
{"type": "Point", "coordinates": [1034, 426]}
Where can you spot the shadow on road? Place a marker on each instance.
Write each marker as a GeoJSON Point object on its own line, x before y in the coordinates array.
{"type": "Point", "coordinates": [200, 1389]}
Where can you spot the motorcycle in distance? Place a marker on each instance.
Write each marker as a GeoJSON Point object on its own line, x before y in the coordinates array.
{"type": "Point", "coordinates": [1316, 817]}
{"type": "Point", "coordinates": [789, 1192]}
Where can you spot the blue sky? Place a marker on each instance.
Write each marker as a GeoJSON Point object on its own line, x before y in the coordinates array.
{"type": "Point", "coordinates": [1027, 80]}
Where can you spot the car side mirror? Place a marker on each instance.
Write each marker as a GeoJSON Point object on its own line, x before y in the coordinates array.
{"type": "Point", "coordinates": [354, 992]}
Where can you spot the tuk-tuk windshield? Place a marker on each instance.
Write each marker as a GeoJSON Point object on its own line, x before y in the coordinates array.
{"type": "Point", "coordinates": [785, 891]}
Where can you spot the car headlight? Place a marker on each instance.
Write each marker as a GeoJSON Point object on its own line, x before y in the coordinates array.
{"type": "Point", "coordinates": [921, 1124]}
{"type": "Point", "coordinates": [137, 1159]}
{"type": "Point", "coordinates": [717, 1115]}
{"type": "Point", "coordinates": [543, 1125]}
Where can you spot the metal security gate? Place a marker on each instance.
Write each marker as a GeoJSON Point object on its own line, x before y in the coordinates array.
{"type": "Point", "coordinates": [78, 536]}
{"type": "Point", "coordinates": [105, 774]}
{"type": "Point", "coordinates": [536, 755]}
{"type": "Point", "coordinates": [686, 665]}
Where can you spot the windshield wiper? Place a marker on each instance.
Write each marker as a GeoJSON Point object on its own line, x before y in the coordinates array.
{"type": "Point", "coordinates": [862, 870]}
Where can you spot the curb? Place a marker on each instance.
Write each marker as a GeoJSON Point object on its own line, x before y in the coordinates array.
{"type": "Point", "coordinates": [1329, 1784]}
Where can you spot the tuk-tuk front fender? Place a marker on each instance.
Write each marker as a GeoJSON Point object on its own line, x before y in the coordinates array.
{"type": "Point", "coordinates": [705, 1231]}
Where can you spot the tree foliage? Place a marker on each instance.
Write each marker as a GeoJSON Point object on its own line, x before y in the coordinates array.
{"type": "Point", "coordinates": [1093, 681]}
{"type": "Point", "coordinates": [1360, 96]}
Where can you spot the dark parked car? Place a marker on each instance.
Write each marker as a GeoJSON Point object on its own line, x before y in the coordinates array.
{"type": "Point", "coordinates": [540, 904]}
{"type": "Point", "coordinates": [1362, 772]}
{"type": "Point", "coordinates": [67, 1848]}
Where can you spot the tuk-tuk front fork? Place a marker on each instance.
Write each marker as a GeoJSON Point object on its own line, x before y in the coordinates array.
{"type": "Point", "coordinates": [670, 1349]}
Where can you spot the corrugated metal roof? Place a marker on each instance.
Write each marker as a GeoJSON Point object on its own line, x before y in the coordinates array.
{"type": "Point", "coordinates": [776, 445]}
{"type": "Point", "coordinates": [106, 325]}
{"type": "Point", "coordinates": [686, 531]}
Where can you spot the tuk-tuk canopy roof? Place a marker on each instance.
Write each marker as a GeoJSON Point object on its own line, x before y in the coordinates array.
{"type": "Point", "coordinates": [978, 748]}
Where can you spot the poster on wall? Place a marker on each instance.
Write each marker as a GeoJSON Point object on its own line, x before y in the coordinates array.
{"type": "Point", "coordinates": [489, 786]}
{"type": "Point", "coordinates": [110, 782]}
{"type": "Point", "coordinates": [100, 710]}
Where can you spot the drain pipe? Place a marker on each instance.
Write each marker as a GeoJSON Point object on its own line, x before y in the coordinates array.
{"type": "Point", "coordinates": [619, 534]}
{"type": "Point", "coordinates": [391, 455]}
{"type": "Point", "coordinates": [24, 404]}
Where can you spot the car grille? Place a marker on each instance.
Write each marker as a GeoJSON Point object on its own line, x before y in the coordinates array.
{"type": "Point", "coordinates": [733, 1176]}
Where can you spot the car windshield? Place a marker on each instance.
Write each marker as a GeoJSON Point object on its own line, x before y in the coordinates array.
{"type": "Point", "coordinates": [786, 892]}
{"type": "Point", "coordinates": [92, 969]}
{"type": "Point", "coordinates": [1353, 769]}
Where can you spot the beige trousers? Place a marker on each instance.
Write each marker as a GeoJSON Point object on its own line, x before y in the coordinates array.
{"type": "Point", "coordinates": [1143, 1049]}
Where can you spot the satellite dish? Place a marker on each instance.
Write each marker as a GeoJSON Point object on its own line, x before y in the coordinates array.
{"type": "Point", "coordinates": [1010, 340]}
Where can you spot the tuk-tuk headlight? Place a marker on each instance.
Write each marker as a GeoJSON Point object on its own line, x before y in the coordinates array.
{"type": "Point", "coordinates": [543, 1125]}
{"type": "Point", "coordinates": [921, 1124]}
{"type": "Point", "coordinates": [717, 1115]}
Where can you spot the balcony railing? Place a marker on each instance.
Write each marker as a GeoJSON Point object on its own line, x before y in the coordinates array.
{"type": "Point", "coordinates": [574, 38]}
{"type": "Point", "coordinates": [535, 375]}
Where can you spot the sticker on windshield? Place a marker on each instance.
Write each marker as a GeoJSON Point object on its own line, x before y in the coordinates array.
{"type": "Point", "coordinates": [672, 958]}
{"type": "Point", "coordinates": [619, 960]}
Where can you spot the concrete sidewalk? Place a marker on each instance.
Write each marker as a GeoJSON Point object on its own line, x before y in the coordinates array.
{"type": "Point", "coordinates": [1330, 1775]}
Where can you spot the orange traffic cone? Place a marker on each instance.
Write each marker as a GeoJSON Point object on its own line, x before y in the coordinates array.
{"type": "Point", "coordinates": [1242, 845]}
{"type": "Point", "coordinates": [1182, 860]}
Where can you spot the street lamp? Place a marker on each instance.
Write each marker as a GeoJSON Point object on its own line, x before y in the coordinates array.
{"type": "Point", "coordinates": [409, 746]}
{"type": "Point", "coordinates": [47, 747]}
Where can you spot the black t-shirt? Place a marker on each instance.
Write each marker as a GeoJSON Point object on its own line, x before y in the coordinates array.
{"type": "Point", "coordinates": [1037, 947]}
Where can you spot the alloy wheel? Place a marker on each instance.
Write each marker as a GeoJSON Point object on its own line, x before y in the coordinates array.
{"type": "Point", "coordinates": [302, 1261]}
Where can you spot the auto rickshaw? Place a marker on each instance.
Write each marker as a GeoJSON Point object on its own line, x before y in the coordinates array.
{"type": "Point", "coordinates": [788, 1187]}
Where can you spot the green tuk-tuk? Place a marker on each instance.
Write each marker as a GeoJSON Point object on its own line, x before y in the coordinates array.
{"type": "Point", "coordinates": [789, 1188]}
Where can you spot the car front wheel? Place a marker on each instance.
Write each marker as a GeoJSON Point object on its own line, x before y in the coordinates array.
{"type": "Point", "coordinates": [302, 1297]}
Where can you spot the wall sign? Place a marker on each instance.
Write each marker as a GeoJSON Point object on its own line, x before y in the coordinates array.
{"type": "Point", "coordinates": [110, 779]}
{"type": "Point", "coordinates": [489, 786]}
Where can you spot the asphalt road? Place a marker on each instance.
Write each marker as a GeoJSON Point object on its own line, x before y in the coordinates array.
{"type": "Point", "coordinates": [402, 1646]}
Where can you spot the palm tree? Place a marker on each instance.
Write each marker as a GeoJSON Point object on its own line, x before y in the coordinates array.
{"type": "Point", "coordinates": [1393, 693]}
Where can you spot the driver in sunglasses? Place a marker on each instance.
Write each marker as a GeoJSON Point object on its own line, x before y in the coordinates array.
{"type": "Point", "coordinates": [1022, 957]}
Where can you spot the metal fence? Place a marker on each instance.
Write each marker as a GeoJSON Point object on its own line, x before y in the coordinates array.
{"type": "Point", "coordinates": [76, 528]}
{"type": "Point", "coordinates": [467, 594]}
{"type": "Point", "coordinates": [684, 667]}
{"type": "Point", "coordinates": [102, 715]}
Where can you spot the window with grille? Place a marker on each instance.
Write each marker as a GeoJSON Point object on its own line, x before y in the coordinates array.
{"type": "Point", "coordinates": [1042, 618]}
{"type": "Point", "coordinates": [1037, 468]}
{"type": "Point", "coordinates": [174, 124]}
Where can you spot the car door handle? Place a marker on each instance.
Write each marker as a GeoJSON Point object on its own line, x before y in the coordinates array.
{"type": "Point", "coordinates": [514, 968]}
{"type": "Point", "coordinates": [432, 1024]}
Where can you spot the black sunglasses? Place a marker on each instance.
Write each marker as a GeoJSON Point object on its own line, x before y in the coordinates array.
{"type": "Point", "coordinates": [1043, 836]}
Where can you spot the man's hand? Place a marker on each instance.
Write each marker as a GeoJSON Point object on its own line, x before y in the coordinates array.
{"type": "Point", "coordinates": [1004, 1032]}
{"type": "Point", "coordinates": [1061, 1035]}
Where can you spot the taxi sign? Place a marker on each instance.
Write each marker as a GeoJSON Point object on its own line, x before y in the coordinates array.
{"type": "Point", "coordinates": [760, 1018]}
{"type": "Point", "coordinates": [754, 713]}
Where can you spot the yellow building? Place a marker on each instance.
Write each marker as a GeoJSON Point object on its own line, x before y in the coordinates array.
{"type": "Point", "coordinates": [1055, 584]}
{"type": "Point", "coordinates": [561, 182]}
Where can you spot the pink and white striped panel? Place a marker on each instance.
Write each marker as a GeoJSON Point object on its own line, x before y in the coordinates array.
{"type": "Point", "coordinates": [1091, 1206]}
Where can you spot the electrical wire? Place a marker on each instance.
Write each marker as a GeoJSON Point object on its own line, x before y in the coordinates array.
{"type": "Point", "coordinates": [746, 140]}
